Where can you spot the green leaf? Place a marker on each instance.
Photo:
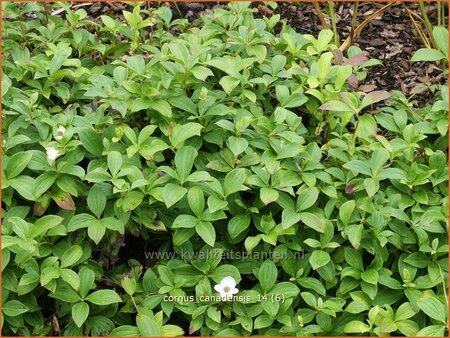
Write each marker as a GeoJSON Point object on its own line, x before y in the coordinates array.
{"type": "Point", "coordinates": [125, 331]}
{"type": "Point", "coordinates": [43, 183]}
{"type": "Point", "coordinates": [183, 132]}
{"type": "Point", "coordinates": [196, 201]}
{"type": "Point", "coordinates": [307, 198]}
{"type": "Point", "coordinates": [237, 145]}
{"type": "Point", "coordinates": [91, 141]}
{"type": "Point", "coordinates": [180, 51]}
{"type": "Point", "coordinates": [404, 311]}
{"type": "Point", "coordinates": [312, 221]}
{"type": "Point", "coordinates": [372, 185]}
{"type": "Point", "coordinates": [96, 200]}
{"type": "Point", "coordinates": [87, 278]}
{"type": "Point", "coordinates": [201, 73]}
{"type": "Point", "coordinates": [278, 62]}
{"type": "Point", "coordinates": [345, 211]}
{"type": "Point", "coordinates": [71, 256]}
{"type": "Point", "coordinates": [184, 161]}
{"type": "Point", "coordinates": [129, 284]}
{"type": "Point", "coordinates": [238, 224]}
{"type": "Point", "coordinates": [23, 185]}
{"type": "Point", "coordinates": [267, 275]}
{"type": "Point", "coordinates": [103, 297]}
{"type": "Point", "coordinates": [136, 63]}
{"type": "Point", "coordinates": [427, 54]}
{"type": "Point", "coordinates": [259, 51]}
{"type": "Point", "coordinates": [377, 161]}
{"type": "Point", "coordinates": [356, 326]}
{"type": "Point", "coordinates": [268, 195]}
{"type": "Point", "coordinates": [107, 21]}
{"type": "Point", "coordinates": [370, 276]}
{"type": "Point", "coordinates": [295, 100]}
{"type": "Point", "coordinates": [432, 331]}
{"type": "Point", "coordinates": [48, 274]}
{"type": "Point", "coordinates": [354, 234]}
{"type": "Point", "coordinates": [228, 83]}
{"type": "Point", "coordinates": [96, 231]}
{"type": "Point", "coordinates": [114, 162]}
{"type": "Point", "coordinates": [319, 258]}
{"type": "Point", "coordinates": [147, 326]}
{"type": "Point", "coordinates": [206, 231]}
{"type": "Point", "coordinates": [71, 278]}
{"type": "Point", "coordinates": [163, 107]}
{"type": "Point", "coordinates": [234, 181]}
{"type": "Point", "coordinates": [323, 66]}
{"type": "Point", "coordinates": [80, 312]}
{"type": "Point", "coordinates": [440, 35]}
{"type": "Point", "coordinates": [225, 270]}
{"type": "Point", "coordinates": [17, 163]}
{"type": "Point", "coordinates": [132, 200]}
{"type": "Point", "coordinates": [6, 84]}
{"type": "Point", "coordinates": [289, 218]}
{"type": "Point", "coordinates": [58, 59]}
{"type": "Point", "coordinates": [367, 127]}
{"type": "Point", "coordinates": [14, 308]}
{"type": "Point", "coordinates": [433, 308]}
{"type": "Point", "coordinates": [171, 330]}
{"type": "Point", "coordinates": [172, 193]}
{"type": "Point", "coordinates": [353, 258]}
{"type": "Point", "coordinates": [336, 106]}
{"type": "Point", "coordinates": [392, 174]}
{"type": "Point", "coordinates": [287, 289]}
{"type": "Point", "coordinates": [184, 221]}
{"type": "Point", "coordinates": [358, 167]}
{"type": "Point", "coordinates": [312, 284]}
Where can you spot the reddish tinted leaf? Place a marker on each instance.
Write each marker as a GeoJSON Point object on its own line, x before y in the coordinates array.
{"type": "Point", "coordinates": [38, 209]}
{"type": "Point", "coordinates": [355, 61]}
{"type": "Point", "coordinates": [64, 200]}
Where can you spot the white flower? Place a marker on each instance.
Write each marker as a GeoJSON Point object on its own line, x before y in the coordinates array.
{"type": "Point", "coordinates": [52, 154]}
{"type": "Point", "coordinates": [60, 133]}
{"type": "Point", "coordinates": [226, 288]}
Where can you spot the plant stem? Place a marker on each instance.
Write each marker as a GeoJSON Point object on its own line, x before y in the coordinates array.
{"type": "Point", "coordinates": [444, 287]}
{"type": "Point", "coordinates": [438, 9]}
{"type": "Point", "coordinates": [426, 19]}
{"type": "Point", "coordinates": [333, 23]}
{"type": "Point", "coordinates": [443, 14]}
{"type": "Point", "coordinates": [319, 13]}
{"type": "Point", "coordinates": [354, 16]}
{"type": "Point", "coordinates": [178, 10]}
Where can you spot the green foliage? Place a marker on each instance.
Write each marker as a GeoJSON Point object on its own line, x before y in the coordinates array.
{"type": "Point", "coordinates": [224, 137]}
{"type": "Point", "coordinates": [440, 36]}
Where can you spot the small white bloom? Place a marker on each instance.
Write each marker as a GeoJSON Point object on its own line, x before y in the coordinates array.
{"type": "Point", "coordinates": [52, 154]}
{"type": "Point", "coordinates": [226, 288]}
{"type": "Point", "coordinates": [60, 133]}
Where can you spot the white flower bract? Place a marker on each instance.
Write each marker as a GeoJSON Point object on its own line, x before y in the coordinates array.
{"type": "Point", "coordinates": [60, 133]}
{"type": "Point", "coordinates": [226, 288]}
{"type": "Point", "coordinates": [52, 154]}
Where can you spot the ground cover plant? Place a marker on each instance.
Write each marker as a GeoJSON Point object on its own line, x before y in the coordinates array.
{"type": "Point", "coordinates": [161, 178]}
